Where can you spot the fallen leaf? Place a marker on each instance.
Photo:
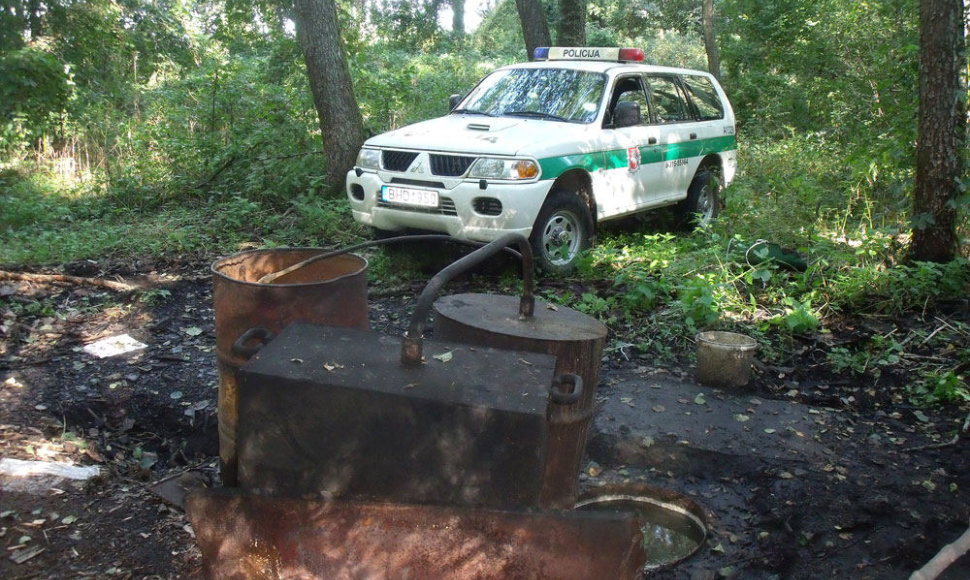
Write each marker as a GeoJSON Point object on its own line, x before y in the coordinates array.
{"type": "Point", "coordinates": [700, 400]}
{"type": "Point", "coordinates": [192, 331]}
{"type": "Point", "coordinates": [769, 431]}
{"type": "Point", "coordinates": [659, 408]}
{"type": "Point", "coordinates": [444, 357]}
{"type": "Point", "coordinates": [741, 418]}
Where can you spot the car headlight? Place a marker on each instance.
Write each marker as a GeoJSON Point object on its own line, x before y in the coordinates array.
{"type": "Point", "coordinates": [369, 159]}
{"type": "Point", "coordinates": [495, 168]}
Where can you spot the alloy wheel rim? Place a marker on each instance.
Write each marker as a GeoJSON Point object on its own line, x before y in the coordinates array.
{"type": "Point", "coordinates": [560, 238]}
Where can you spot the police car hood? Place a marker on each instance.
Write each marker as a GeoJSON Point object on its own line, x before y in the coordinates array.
{"type": "Point", "coordinates": [482, 135]}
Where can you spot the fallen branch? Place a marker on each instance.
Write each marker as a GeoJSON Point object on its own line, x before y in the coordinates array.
{"type": "Point", "coordinates": [946, 556]}
{"type": "Point", "coordinates": [65, 279]}
{"type": "Point", "coordinates": [950, 443]}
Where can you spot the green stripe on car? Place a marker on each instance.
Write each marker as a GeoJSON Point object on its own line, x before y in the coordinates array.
{"type": "Point", "coordinates": [553, 167]}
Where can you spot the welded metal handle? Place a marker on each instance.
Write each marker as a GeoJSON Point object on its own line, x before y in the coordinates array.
{"type": "Point", "coordinates": [242, 347]}
{"type": "Point", "coordinates": [412, 346]}
{"type": "Point", "coordinates": [566, 398]}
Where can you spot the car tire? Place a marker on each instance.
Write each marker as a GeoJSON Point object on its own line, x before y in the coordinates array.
{"type": "Point", "coordinates": [703, 200]}
{"type": "Point", "coordinates": [562, 230]}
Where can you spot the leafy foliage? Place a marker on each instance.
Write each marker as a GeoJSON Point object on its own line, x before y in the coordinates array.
{"type": "Point", "coordinates": [33, 96]}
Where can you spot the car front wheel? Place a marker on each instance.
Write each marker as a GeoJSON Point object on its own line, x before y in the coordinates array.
{"type": "Point", "coordinates": [703, 200]}
{"type": "Point", "coordinates": [561, 232]}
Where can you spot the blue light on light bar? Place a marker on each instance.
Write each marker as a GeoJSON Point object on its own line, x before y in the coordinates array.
{"type": "Point", "coordinates": [540, 53]}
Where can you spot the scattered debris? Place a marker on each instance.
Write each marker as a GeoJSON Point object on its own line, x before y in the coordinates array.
{"type": "Point", "coordinates": [20, 468]}
{"type": "Point", "coordinates": [174, 489]}
{"type": "Point", "coordinates": [113, 346]}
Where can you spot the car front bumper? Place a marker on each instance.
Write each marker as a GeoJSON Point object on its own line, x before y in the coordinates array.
{"type": "Point", "coordinates": [456, 214]}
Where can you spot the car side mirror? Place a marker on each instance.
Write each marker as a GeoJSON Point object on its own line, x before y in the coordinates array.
{"type": "Point", "coordinates": [626, 114]}
{"type": "Point", "coordinates": [453, 101]}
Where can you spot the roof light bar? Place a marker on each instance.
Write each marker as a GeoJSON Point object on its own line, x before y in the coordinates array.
{"type": "Point", "coordinates": [587, 53]}
{"type": "Point", "coordinates": [631, 54]}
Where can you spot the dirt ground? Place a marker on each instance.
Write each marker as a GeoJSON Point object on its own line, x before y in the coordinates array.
{"type": "Point", "coordinates": [872, 488]}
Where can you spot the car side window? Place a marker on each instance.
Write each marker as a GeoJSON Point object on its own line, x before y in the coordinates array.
{"type": "Point", "coordinates": [704, 97]}
{"type": "Point", "coordinates": [628, 89]}
{"type": "Point", "coordinates": [667, 100]}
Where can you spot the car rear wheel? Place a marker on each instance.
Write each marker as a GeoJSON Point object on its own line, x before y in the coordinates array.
{"type": "Point", "coordinates": [703, 200]}
{"type": "Point", "coordinates": [561, 232]}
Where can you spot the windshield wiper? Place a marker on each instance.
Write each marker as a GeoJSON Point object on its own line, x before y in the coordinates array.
{"type": "Point", "coordinates": [472, 112]}
{"type": "Point", "coordinates": [536, 114]}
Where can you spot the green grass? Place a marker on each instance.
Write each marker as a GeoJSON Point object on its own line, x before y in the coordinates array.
{"type": "Point", "coordinates": [46, 221]}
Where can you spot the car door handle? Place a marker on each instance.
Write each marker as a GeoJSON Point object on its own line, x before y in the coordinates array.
{"type": "Point", "coordinates": [652, 141]}
{"type": "Point", "coordinates": [693, 136]}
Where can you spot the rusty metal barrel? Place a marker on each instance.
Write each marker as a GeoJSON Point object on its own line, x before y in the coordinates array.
{"type": "Point", "coordinates": [331, 291]}
{"type": "Point", "coordinates": [575, 339]}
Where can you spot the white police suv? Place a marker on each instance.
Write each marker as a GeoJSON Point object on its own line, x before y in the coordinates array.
{"type": "Point", "coordinates": [549, 149]}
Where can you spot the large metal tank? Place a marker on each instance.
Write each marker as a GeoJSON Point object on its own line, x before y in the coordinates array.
{"type": "Point", "coordinates": [331, 291]}
{"type": "Point", "coordinates": [575, 339]}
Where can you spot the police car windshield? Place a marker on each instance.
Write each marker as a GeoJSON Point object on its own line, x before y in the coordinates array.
{"type": "Point", "coordinates": [546, 93]}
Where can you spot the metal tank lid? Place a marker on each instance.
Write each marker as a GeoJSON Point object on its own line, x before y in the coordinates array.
{"type": "Point", "coordinates": [499, 314]}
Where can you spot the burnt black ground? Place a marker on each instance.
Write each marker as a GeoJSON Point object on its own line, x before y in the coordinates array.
{"type": "Point", "coordinates": [826, 477]}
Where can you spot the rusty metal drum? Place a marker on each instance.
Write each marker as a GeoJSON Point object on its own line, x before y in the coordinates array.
{"type": "Point", "coordinates": [330, 291]}
{"type": "Point", "coordinates": [575, 339]}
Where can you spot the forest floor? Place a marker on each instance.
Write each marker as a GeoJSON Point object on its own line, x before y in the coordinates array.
{"type": "Point", "coordinates": [804, 474]}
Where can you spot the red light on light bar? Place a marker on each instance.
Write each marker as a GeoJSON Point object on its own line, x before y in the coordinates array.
{"type": "Point", "coordinates": [631, 54]}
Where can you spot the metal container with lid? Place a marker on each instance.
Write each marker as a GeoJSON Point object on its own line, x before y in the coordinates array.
{"type": "Point", "coordinates": [334, 411]}
{"type": "Point", "coordinates": [575, 339]}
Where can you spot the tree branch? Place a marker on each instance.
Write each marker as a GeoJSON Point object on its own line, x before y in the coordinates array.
{"type": "Point", "coordinates": [948, 555]}
{"type": "Point", "coordinates": [66, 279]}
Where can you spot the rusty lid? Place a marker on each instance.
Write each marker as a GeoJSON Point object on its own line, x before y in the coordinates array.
{"type": "Point", "coordinates": [499, 314]}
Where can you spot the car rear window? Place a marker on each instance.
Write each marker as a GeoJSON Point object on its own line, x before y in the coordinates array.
{"type": "Point", "coordinates": [704, 97]}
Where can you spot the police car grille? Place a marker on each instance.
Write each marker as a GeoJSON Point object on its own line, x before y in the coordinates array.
{"type": "Point", "coordinates": [445, 207]}
{"type": "Point", "coordinates": [397, 160]}
{"type": "Point", "coordinates": [450, 165]}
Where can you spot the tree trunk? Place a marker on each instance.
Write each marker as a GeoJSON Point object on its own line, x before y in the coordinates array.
{"type": "Point", "coordinates": [710, 39]}
{"type": "Point", "coordinates": [341, 124]}
{"type": "Point", "coordinates": [36, 21]}
{"type": "Point", "coordinates": [458, 18]}
{"type": "Point", "coordinates": [535, 29]}
{"type": "Point", "coordinates": [939, 156]}
{"type": "Point", "coordinates": [572, 23]}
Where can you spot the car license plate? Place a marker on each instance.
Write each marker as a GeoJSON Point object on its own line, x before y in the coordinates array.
{"type": "Point", "coordinates": [408, 196]}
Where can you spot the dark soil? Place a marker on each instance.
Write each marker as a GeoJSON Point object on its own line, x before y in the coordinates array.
{"type": "Point", "coordinates": [893, 490]}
